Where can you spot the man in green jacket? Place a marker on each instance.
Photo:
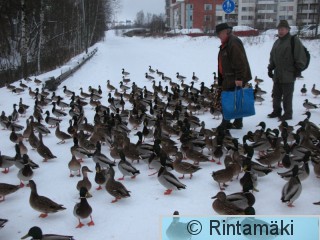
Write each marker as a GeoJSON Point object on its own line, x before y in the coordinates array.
{"type": "Point", "coordinates": [233, 66]}
{"type": "Point", "coordinates": [283, 68]}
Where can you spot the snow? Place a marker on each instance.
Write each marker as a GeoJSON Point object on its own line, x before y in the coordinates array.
{"type": "Point", "coordinates": [139, 217]}
{"type": "Point", "coordinates": [185, 31]}
{"type": "Point", "coordinates": [242, 28]}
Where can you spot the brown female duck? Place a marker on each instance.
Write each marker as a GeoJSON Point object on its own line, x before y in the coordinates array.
{"type": "Point", "coordinates": [42, 203]}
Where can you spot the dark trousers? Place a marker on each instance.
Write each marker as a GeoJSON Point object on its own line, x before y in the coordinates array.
{"type": "Point", "coordinates": [282, 92]}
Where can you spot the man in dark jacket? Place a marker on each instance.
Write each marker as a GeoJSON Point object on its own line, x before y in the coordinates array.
{"type": "Point", "coordinates": [233, 67]}
{"type": "Point", "coordinates": [283, 68]}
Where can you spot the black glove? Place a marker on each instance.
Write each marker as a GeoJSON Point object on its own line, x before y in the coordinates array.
{"type": "Point", "coordinates": [270, 73]}
{"type": "Point", "coordinates": [297, 73]}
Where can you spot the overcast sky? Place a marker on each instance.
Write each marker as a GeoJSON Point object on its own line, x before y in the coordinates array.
{"type": "Point", "coordinates": [129, 8]}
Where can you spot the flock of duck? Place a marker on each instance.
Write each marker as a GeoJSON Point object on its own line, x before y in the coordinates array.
{"type": "Point", "coordinates": [172, 140]}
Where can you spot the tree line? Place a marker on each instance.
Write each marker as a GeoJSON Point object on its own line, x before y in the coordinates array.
{"type": "Point", "coordinates": [38, 35]}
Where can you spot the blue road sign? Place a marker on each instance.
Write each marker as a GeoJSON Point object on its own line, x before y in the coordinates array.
{"type": "Point", "coordinates": [228, 6]}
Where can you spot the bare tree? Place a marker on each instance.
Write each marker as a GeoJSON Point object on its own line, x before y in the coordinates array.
{"type": "Point", "coordinates": [140, 19]}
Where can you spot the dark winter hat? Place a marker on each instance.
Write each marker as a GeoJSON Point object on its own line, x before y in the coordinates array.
{"type": "Point", "coordinates": [222, 26]}
{"type": "Point", "coordinates": [283, 23]}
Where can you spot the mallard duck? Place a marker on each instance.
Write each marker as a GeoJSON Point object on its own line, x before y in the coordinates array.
{"type": "Point", "coordinates": [6, 162]}
{"type": "Point", "coordinates": [184, 167]}
{"type": "Point", "coordinates": [165, 78]}
{"type": "Point", "coordinates": [315, 91]}
{"type": "Point", "coordinates": [124, 72]}
{"type": "Point", "coordinates": [303, 171]}
{"type": "Point", "coordinates": [85, 182]}
{"type": "Point", "coordinates": [6, 189]}
{"type": "Point", "coordinates": [37, 81]}
{"type": "Point", "coordinates": [303, 90]}
{"type": "Point", "coordinates": [167, 179]}
{"type": "Point", "coordinates": [85, 143]}
{"type": "Point", "coordinates": [149, 77]}
{"type": "Point", "coordinates": [36, 234]}
{"type": "Point", "coordinates": [292, 189]}
{"type": "Point", "coordinates": [223, 206]}
{"type": "Point", "coordinates": [100, 176]}
{"type": "Point", "coordinates": [51, 120]}
{"type": "Point", "coordinates": [82, 209]}
{"type": "Point", "coordinates": [272, 157]}
{"type": "Point", "coordinates": [242, 199]}
{"type": "Point", "coordinates": [193, 155]}
{"type": "Point", "coordinates": [56, 112]}
{"type": "Point", "coordinates": [43, 150]}
{"type": "Point", "coordinates": [22, 109]}
{"type": "Point", "coordinates": [178, 230]}
{"type": "Point", "coordinates": [309, 105]}
{"type": "Point", "coordinates": [67, 92]}
{"type": "Point", "coordinates": [86, 127]}
{"type": "Point", "coordinates": [223, 176]}
{"type": "Point", "coordinates": [23, 148]}
{"type": "Point", "coordinates": [110, 86]}
{"type": "Point", "coordinates": [126, 167]}
{"type": "Point", "coordinates": [38, 126]}
{"type": "Point", "coordinates": [249, 179]}
{"type": "Point", "coordinates": [18, 90]}
{"type": "Point", "coordinates": [15, 137]}
{"type": "Point", "coordinates": [62, 104]}
{"type": "Point", "coordinates": [74, 166]}
{"type": "Point", "coordinates": [4, 120]}
{"type": "Point", "coordinates": [256, 168]}
{"type": "Point", "coordinates": [11, 125]}
{"type": "Point", "coordinates": [25, 174]}
{"type": "Point", "coordinates": [115, 188]}
{"type": "Point", "coordinates": [180, 77]}
{"type": "Point", "coordinates": [62, 136]}
{"type": "Point", "coordinates": [79, 152]}
{"type": "Point", "coordinates": [26, 133]}
{"type": "Point", "coordinates": [101, 158]}
{"type": "Point", "coordinates": [3, 222]}
{"type": "Point", "coordinates": [33, 139]}
{"type": "Point", "coordinates": [19, 163]}
{"type": "Point", "coordinates": [14, 114]}
{"type": "Point", "coordinates": [42, 203]}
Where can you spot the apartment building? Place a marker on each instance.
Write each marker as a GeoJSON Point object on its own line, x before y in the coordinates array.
{"type": "Point", "coordinates": [189, 14]}
{"type": "Point", "coordinates": [261, 14]}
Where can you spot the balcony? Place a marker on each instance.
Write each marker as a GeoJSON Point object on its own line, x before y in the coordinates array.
{"type": "Point", "coordinates": [265, 11]}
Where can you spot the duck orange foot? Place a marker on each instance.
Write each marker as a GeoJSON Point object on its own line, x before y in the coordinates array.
{"type": "Point", "coordinates": [6, 170]}
{"type": "Point", "coordinates": [43, 215]}
{"type": "Point", "coordinates": [91, 223]}
{"type": "Point", "coordinates": [99, 188]}
{"type": "Point", "coordinates": [80, 225]}
{"type": "Point", "coordinates": [290, 205]}
{"type": "Point", "coordinates": [133, 177]}
{"type": "Point", "coordinates": [219, 163]}
{"type": "Point", "coordinates": [182, 177]}
{"type": "Point", "coordinates": [71, 175]}
{"type": "Point", "coordinates": [121, 178]}
{"type": "Point", "coordinates": [212, 160]}
{"type": "Point", "coordinates": [115, 200]}
{"type": "Point", "coordinates": [21, 184]}
{"type": "Point", "coordinates": [168, 192]}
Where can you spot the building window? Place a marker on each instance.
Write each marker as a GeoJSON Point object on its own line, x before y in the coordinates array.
{"type": "Point", "coordinates": [218, 7]}
{"type": "Point", "coordinates": [207, 18]}
{"type": "Point", "coordinates": [190, 6]}
{"type": "Point", "coordinates": [190, 17]}
{"type": "Point", "coordinates": [219, 18]}
{"type": "Point", "coordinates": [208, 7]}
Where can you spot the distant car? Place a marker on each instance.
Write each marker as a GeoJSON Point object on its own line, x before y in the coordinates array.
{"type": "Point", "coordinates": [245, 31]}
{"type": "Point", "coordinates": [309, 31]}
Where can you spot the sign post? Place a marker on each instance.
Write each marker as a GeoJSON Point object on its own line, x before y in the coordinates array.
{"type": "Point", "coordinates": [228, 6]}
